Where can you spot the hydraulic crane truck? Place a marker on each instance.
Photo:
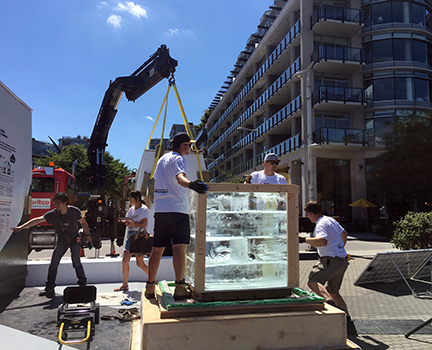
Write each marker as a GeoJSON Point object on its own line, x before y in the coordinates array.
{"type": "Point", "coordinates": [103, 211]}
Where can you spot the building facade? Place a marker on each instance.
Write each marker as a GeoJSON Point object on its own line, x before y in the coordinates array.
{"type": "Point", "coordinates": [317, 84]}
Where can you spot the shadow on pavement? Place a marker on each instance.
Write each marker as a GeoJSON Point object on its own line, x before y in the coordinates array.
{"type": "Point", "coordinates": [370, 343]}
{"type": "Point", "coordinates": [398, 288]}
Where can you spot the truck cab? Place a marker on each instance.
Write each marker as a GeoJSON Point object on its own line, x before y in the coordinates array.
{"type": "Point", "coordinates": [46, 182]}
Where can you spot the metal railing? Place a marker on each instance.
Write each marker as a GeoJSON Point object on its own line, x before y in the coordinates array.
{"type": "Point", "coordinates": [337, 13]}
{"type": "Point", "coordinates": [340, 135]}
{"type": "Point", "coordinates": [330, 93]}
{"type": "Point", "coordinates": [284, 43]}
{"type": "Point", "coordinates": [281, 149]}
{"type": "Point", "coordinates": [260, 101]}
{"type": "Point", "coordinates": [339, 53]}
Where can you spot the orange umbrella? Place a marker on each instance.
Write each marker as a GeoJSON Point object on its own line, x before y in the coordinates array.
{"type": "Point", "coordinates": [362, 203]}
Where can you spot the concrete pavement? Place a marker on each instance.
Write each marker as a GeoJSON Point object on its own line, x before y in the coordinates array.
{"type": "Point", "coordinates": [378, 303]}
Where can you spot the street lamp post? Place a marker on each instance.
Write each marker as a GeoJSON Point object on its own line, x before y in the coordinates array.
{"type": "Point", "coordinates": [309, 169]}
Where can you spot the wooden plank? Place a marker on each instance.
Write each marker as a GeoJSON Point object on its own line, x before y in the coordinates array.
{"type": "Point", "coordinates": [200, 242]}
{"type": "Point", "coordinates": [292, 240]}
{"type": "Point", "coordinates": [290, 330]}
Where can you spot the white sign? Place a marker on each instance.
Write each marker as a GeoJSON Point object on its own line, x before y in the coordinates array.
{"type": "Point", "coordinates": [15, 160]}
{"type": "Point", "coordinates": [41, 203]}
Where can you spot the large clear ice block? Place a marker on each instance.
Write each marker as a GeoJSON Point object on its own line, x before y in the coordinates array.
{"type": "Point", "coordinates": [246, 240]}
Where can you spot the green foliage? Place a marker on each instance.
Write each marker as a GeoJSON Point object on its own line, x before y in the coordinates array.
{"type": "Point", "coordinates": [404, 170]}
{"type": "Point", "coordinates": [413, 231]}
{"type": "Point", "coordinates": [115, 170]}
{"type": "Point", "coordinates": [233, 179]}
{"type": "Point", "coordinates": [204, 119]}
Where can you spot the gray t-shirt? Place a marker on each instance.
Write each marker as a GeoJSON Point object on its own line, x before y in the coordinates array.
{"type": "Point", "coordinates": [65, 225]}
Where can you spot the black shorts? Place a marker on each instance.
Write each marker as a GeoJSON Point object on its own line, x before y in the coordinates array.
{"type": "Point", "coordinates": [171, 228]}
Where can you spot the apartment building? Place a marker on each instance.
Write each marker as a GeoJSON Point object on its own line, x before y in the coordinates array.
{"type": "Point", "coordinates": [316, 84]}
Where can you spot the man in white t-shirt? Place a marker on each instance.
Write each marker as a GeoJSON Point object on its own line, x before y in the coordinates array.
{"type": "Point", "coordinates": [330, 239]}
{"type": "Point", "coordinates": [172, 213]}
{"type": "Point", "coordinates": [268, 175]}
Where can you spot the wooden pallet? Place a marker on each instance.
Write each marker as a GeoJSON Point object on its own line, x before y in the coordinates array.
{"type": "Point", "coordinates": [306, 329]}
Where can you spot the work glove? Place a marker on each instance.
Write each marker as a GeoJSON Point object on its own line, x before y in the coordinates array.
{"type": "Point", "coordinates": [302, 239]}
{"type": "Point", "coordinates": [198, 186]}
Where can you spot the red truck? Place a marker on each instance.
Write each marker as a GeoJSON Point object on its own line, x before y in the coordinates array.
{"type": "Point", "coordinates": [46, 182]}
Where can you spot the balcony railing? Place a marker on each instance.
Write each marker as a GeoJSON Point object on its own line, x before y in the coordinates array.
{"type": "Point", "coordinates": [336, 13]}
{"type": "Point", "coordinates": [284, 113]}
{"type": "Point", "coordinates": [339, 53]}
{"type": "Point", "coordinates": [285, 42]}
{"type": "Point", "coordinates": [261, 100]}
{"type": "Point", "coordinates": [345, 136]}
{"type": "Point", "coordinates": [281, 149]}
{"type": "Point", "coordinates": [345, 95]}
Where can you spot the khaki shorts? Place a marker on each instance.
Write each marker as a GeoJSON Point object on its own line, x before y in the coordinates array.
{"type": "Point", "coordinates": [329, 270]}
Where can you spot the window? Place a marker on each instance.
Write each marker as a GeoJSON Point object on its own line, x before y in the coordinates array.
{"type": "Point", "coordinates": [383, 89]}
{"type": "Point", "coordinates": [382, 51]}
{"type": "Point", "coordinates": [402, 50]}
{"type": "Point", "coordinates": [418, 14]}
{"type": "Point", "coordinates": [420, 51]}
{"type": "Point", "coordinates": [43, 184]}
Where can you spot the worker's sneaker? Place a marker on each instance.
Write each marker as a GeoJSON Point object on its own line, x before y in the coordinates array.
{"type": "Point", "coordinates": [181, 291]}
{"type": "Point", "coordinates": [47, 292]}
{"type": "Point", "coordinates": [150, 290]}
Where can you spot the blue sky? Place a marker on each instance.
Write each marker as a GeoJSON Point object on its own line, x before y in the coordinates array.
{"type": "Point", "coordinates": [59, 56]}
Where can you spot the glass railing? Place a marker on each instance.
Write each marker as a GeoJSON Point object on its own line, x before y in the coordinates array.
{"type": "Point", "coordinates": [285, 147]}
{"type": "Point", "coordinates": [285, 42]}
{"type": "Point", "coordinates": [326, 93]}
{"type": "Point", "coordinates": [337, 135]}
{"type": "Point", "coordinates": [269, 93]}
{"type": "Point", "coordinates": [339, 53]}
{"type": "Point", "coordinates": [284, 113]}
{"type": "Point", "coordinates": [337, 13]}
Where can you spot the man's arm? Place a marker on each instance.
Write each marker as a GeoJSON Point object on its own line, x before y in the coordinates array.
{"type": "Point", "coordinates": [30, 223]}
{"type": "Point", "coordinates": [85, 227]}
{"type": "Point", "coordinates": [344, 235]}
{"type": "Point", "coordinates": [182, 180]}
{"type": "Point", "coordinates": [198, 186]}
{"type": "Point", "coordinates": [314, 241]}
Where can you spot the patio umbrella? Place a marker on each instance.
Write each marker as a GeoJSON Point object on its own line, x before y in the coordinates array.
{"type": "Point", "coordinates": [362, 203]}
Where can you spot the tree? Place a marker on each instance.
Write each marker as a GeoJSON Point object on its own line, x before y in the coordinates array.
{"type": "Point", "coordinates": [115, 170]}
{"type": "Point", "coordinates": [204, 119]}
{"type": "Point", "coordinates": [413, 231]}
{"type": "Point", "coordinates": [404, 170]}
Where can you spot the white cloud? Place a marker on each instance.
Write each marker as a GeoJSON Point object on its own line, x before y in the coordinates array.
{"type": "Point", "coordinates": [132, 8]}
{"type": "Point", "coordinates": [115, 21]}
{"type": "Point", "coordinates": [149, 118]}
{"type": "Point", "coordinates": [175, 31]}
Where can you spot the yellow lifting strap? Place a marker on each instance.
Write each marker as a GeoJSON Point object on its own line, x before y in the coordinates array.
{"type": "Point", "coordinates": [186, 124]}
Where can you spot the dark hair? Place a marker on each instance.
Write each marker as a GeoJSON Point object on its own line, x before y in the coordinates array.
{"type": "Point", "coordinates": [136, 195]}
{"type": "Point", "coordinates": [312, 207]}
{"type": "Point", "coordinates": [61, 196]}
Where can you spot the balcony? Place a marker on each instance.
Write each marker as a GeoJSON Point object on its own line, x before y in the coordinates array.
{"type": "Point", "coordinates": [341, 136]}
{"type": "Point", "coordinates": [331, 20]}
{"type": "Point", "coordinates": [328, 98]}
{"type": "Point", "coordinates": [338, 59]}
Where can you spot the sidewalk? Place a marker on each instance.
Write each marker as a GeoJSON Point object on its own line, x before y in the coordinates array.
{"type": "Point", "coordinates": [384, 303]}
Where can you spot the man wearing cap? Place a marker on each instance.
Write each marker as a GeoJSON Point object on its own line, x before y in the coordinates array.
{"type": "Point", "coordinates": [172, 213]}
{"type": "Point", "coordinates": [268, 175]}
